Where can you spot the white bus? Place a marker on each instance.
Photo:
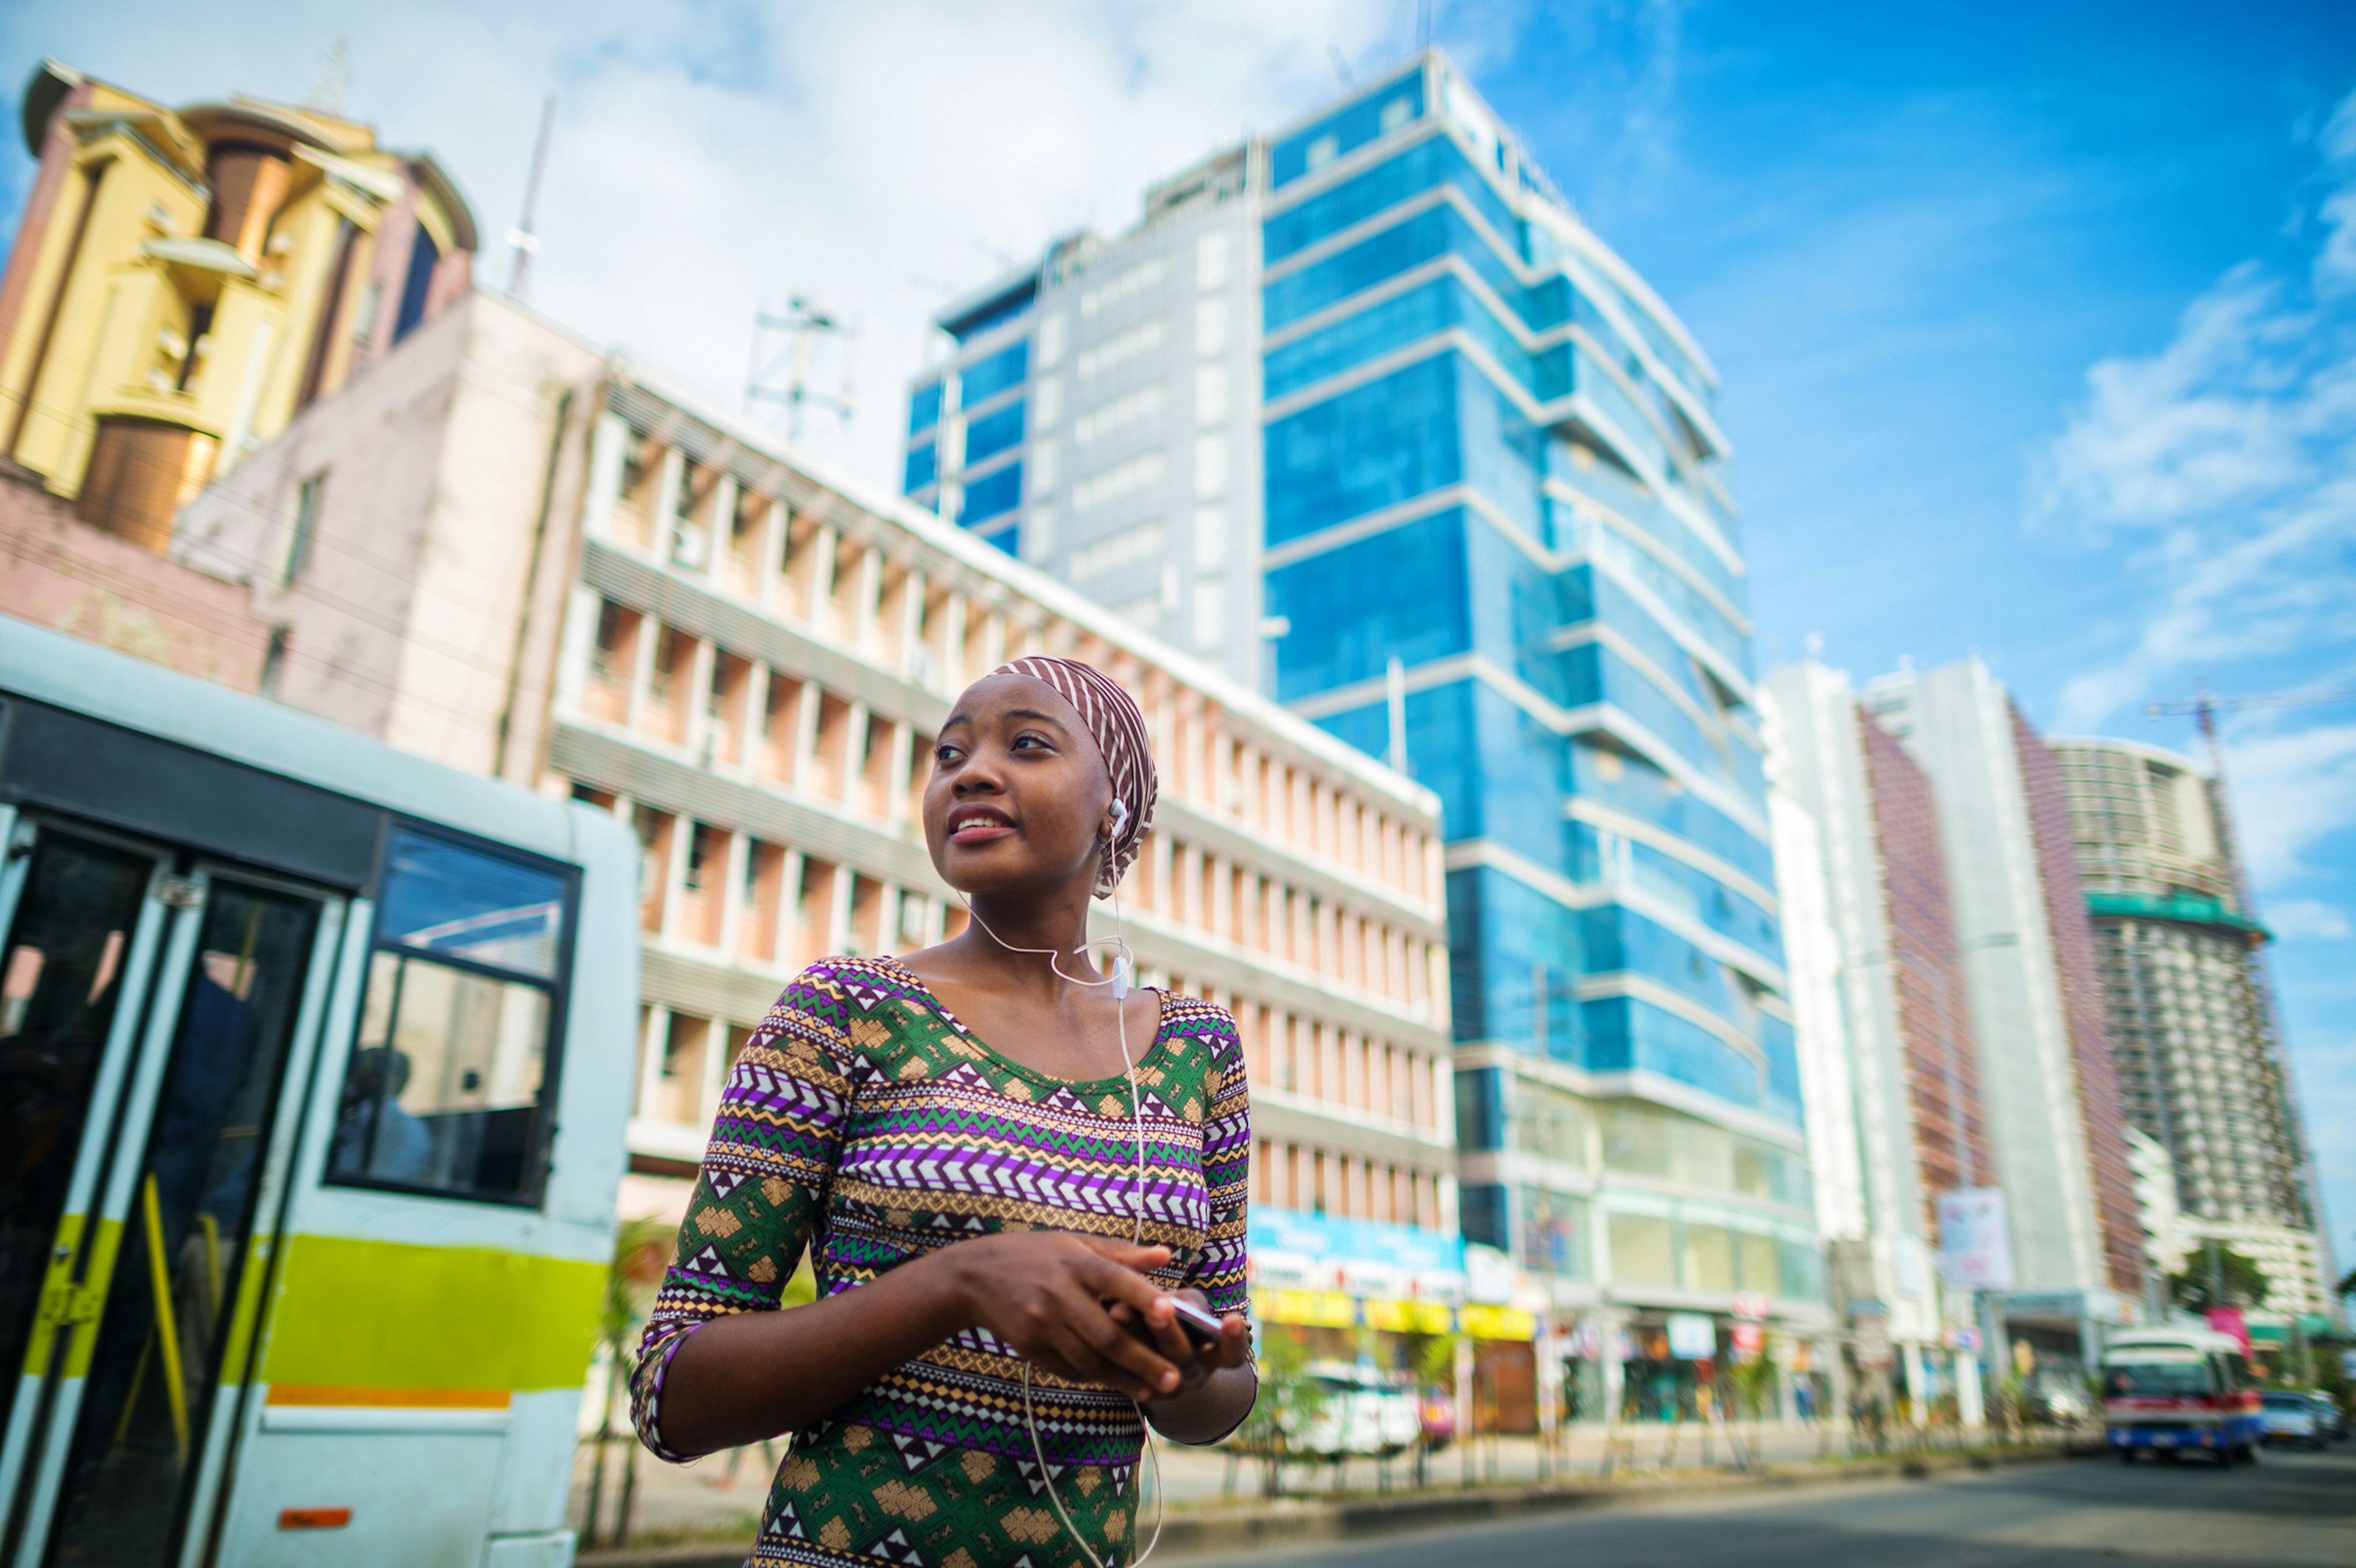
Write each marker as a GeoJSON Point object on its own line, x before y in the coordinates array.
{"type": "Point", "coordinates": [2172, 1390]}
{"type": "Point", "coordinates": [313, 1068]}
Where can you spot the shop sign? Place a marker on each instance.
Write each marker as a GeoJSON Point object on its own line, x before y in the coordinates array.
{"type": "Point", "coordinates": [1693, 1337]}
{"type": "Point", "coordinates": [1974, 1239]}
{"type": "Point", "coordinates": [1309, 1308]}
{"type": "Point", "coordinates": [1410, 1316]}
{"type": "Point", "coordinates": [1484, 1322]}
{"type": "Point", "coordinates": [1488, 1274]}
{"type": "Point", "coordinates": [1749, 1338]}
{"type": "Point", "coordinates": [1750, 1304]}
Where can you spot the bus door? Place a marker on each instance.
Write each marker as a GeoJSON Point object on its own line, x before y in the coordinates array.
{"type": "Point", "coordinates": [158, 1017]}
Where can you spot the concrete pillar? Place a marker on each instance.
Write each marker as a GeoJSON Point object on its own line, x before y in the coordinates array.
{"type": "Point", "coordinates": [654, 1036]}
{"type": "Point", "coordinates": [731, 894]}
{"type": "Point", "coordinates": [682, 841]}
{"type": "Point", "coordinates": [786, 949]}
{"type": "Point", "coordinates": [698, 698]}
{"type": "Point", "coordinates": [838, 917]}
{"type": "Point", "coordinates": [577, 647]}
{"type": "Point", "coordinates": [609, 450]}
{"type": "Point", "coordinates": [775, 528]}
{"type": "Point", "coordinates": [822, 582]}
{"type": "Point", "coordinates": [1969, 1408]}
{"type": "Point", "coordinates": [642, 670]}
{"type": "Point", "coordinates": [854, 754]}
{"type": "Point", "coordinates": [666, 509]}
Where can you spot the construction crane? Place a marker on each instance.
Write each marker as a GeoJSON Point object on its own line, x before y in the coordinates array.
{"type": "Point", "coordinates": [2204, 708]}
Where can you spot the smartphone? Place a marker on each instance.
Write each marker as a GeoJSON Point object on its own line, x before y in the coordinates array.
{"type": "Point", "coordinates": [1202, 1327]}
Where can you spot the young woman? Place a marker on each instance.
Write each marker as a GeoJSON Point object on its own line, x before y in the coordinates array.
{"type": "Point", "coordinates": [1007, 1173]}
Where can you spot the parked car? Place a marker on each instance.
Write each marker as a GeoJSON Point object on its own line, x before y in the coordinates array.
{"type": "Point", "coordinates": [2292, 1418]}
{"type": "Point", "coordinates": [2330, 1418]}
{"type": "Point", "coordinates": [1365, 1411]}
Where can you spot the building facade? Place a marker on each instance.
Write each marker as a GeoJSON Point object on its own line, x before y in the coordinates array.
{"type": "Point", "coordinates": [1097, 415]}
{"type": "Point", "coordinates": [505, 550]}
{"type": "Point", "coordinates": [2201, 1064]}
{"type": "Point", "coordinates": [1901, 1042]}
{"type": "Point", "coordinates": [1494, 546]}
{"type": "Point", "coordinates": [2049, 1081]}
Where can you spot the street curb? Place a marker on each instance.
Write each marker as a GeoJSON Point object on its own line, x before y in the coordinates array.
{"type": "Point", "coordinates": [1309, 1521]}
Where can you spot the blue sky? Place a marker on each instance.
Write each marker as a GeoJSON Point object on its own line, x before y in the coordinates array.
{"type": "Point", "coordinates": [2035, 321]}
{"type": "Point", "coordinates": [2036, 325]}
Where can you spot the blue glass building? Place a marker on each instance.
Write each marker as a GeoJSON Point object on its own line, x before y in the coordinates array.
{"type": "Point", "coordinates": [1496, 521]}
{"type": "Point", "coordinates": [1495, 542]}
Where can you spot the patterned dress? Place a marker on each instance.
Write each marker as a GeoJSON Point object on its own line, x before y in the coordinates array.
{"type": "Point", "coordinates": [863, 1120]}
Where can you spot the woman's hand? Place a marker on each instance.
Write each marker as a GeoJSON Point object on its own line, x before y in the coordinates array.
{"type": "Point", "coordinates": [1195, 1363]}
{"type": "Point", "coordinates": [1052, 1296]}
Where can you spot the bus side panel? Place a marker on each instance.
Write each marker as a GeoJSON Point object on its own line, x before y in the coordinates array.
{"type": "Point", "coordinates": [362, 1499]}
{"type": "Point", "coordinates": [536, 1467]}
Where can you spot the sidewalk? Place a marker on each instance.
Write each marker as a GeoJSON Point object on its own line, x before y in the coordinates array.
{"type": "Point", "coordinates": [1213, 1495]}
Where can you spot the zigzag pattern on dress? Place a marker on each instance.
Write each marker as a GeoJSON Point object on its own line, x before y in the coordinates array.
{"type": "Point", "coordinates": [865, 1126]}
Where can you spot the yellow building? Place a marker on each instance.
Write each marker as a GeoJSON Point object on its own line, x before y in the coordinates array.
{"type": "Point", "coordinates": [186, 280]}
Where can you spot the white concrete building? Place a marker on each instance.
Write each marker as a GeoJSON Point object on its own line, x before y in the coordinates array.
{"type": "Point", "coordinates": [2057, 1132]}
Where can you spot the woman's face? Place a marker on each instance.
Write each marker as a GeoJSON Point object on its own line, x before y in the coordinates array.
{"type": "Point", "coordinates": [1019, 803]}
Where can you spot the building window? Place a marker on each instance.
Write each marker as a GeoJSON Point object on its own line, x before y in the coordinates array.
{"type": "Point", "coordinates": [273, 659]}
{"type": "Point", "coordinates": [451, 1080]}
{"type": "Point", "coordinates": [424, 254]}
{"type": "Point", "coordinates": [306, 524]}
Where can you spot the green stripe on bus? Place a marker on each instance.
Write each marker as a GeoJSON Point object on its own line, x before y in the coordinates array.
{"type": "Point", "coordinates": [389, 1315]}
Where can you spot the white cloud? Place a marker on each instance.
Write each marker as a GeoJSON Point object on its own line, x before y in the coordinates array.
{"type": "Point", "coordinates": [2226, 465]}
{"type": "Point", "coordinates": [2291, 788]}
{"type": "Point", "coordinates": [2308, 920]}
{"type": "Point", "coordinates": [710, 158]}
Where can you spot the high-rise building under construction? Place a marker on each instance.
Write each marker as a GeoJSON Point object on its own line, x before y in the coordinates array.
{"type": "Point", "coordinates": [2192, 1016]}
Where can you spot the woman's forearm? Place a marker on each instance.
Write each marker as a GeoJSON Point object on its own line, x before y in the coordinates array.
{"type": "Point", "coordinates": [1209, 1412]}
{"type": "Point", "coordinates": [749, 1377]}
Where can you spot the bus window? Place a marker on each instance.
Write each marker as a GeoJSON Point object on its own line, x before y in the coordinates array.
{"type": "Point", "coordinates": [447, 1087]}
{"type": "Point", "coordinates": [2157, 1378]}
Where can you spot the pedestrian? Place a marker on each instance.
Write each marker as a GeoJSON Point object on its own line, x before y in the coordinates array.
{"type": "Point", "coordinates": [1009, 1171]}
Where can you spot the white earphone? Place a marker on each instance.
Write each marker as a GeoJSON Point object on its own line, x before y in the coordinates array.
{"type": "Point", "coordinates": [1120, 981]}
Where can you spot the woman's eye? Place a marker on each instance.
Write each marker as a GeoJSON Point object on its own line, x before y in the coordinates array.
{"type": "Point", "coordinates": [1034, 742]}
{"type": "Point", "coordinates": [944, 755]}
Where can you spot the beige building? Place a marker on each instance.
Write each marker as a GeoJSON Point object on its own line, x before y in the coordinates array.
{"type": "Point", "coordinates": [505, 550]}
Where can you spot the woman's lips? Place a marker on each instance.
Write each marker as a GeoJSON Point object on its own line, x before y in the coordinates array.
{"type": "Point", "coordinates": [979, 825]}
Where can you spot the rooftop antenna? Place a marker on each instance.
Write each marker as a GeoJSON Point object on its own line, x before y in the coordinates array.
{"type": "Point", "coordinates": [1423, 24]}
{"type": "Point", "coordinates": [331, 90]}
{"type": "Point", "coordinates": [780, 371]}
{"type": "Point", "coordinates": [522, 235]}
{"type": "Point", "coordinates": [1341, 66]}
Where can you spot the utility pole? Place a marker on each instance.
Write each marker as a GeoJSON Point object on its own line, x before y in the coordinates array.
{"type": "Point", "coordinates": [522, 235]}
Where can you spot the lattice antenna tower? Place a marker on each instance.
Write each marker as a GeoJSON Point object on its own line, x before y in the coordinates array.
{"type": "Point", "coordinates": [787, 350]}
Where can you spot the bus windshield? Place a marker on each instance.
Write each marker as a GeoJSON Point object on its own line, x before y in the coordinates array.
{"type": "Point", "coordinates": [2157, 1380]}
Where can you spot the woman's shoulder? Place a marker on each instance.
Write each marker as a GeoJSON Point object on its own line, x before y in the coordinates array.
{"type": "Point", "coordinates": [835, 993]}
{"type": "Point", "coordinates": [1184, 1017]}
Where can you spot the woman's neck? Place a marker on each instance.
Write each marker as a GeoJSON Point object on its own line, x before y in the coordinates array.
{"type": "Point", "coordinates": [1035, 946]}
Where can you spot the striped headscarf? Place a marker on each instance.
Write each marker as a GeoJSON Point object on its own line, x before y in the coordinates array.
{"type": "Point", "coordinates": [1114, 722]}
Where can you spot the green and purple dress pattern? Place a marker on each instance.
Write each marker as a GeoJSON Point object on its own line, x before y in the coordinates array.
{"type": "Point", "coordinates": [863, 1121]}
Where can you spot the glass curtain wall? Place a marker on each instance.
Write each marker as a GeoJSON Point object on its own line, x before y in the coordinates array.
{"type": "Point", "coordinates": [1493, 478]}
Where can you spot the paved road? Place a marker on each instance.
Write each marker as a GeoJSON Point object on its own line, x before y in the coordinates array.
{"type": "Point", "coordinates": [2295, 1508]}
